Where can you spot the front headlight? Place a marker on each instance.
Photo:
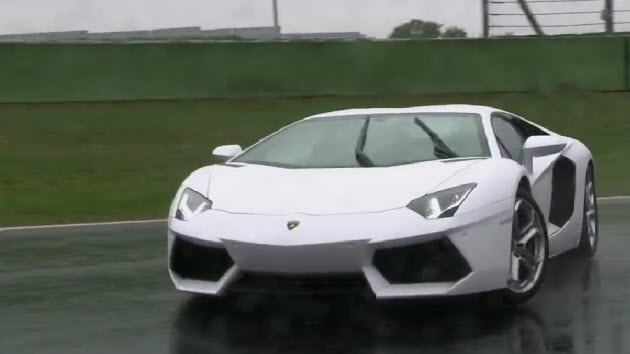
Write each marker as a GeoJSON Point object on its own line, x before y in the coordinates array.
{"type": "Point", "coordinates": [191, 203]}
{"type": "Point", "coordinates": [441, 204]}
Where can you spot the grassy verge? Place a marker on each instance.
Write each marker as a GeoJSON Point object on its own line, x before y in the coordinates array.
{"type": "Point", "coordinates": [74, 162]}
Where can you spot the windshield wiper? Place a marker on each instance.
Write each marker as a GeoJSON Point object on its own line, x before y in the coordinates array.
{"type": "Point", "coordinates": [440, 149]}
{"type": "Point", "coordinates": [361, 157]}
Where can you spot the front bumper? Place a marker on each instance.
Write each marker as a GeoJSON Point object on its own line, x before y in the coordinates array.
{"type": "Point", "coordinates": [339, 246]}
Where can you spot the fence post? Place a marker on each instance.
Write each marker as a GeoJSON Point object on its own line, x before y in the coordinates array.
{"type": "Point", "coordinates": [486, 18]}
{"type": "Point", "coordinates": [626, 62]}
{"type": "Point", "coordinates": [531, 18]}
{"type": "Point", "coordinates": [609, 16]}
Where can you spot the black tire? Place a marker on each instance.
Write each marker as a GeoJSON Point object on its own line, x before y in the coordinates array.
{"type": "Point", "coordinates": [587, 247]}
{"type": "Point", "coordinates": [508, 297]}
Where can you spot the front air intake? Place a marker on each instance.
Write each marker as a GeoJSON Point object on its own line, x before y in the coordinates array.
{"type": "Point", "coordinates": [429, 262]}
{"type": "Point", "coordinates": [198, 261]}
{"type": "Point", "coordinates": [300, 284]}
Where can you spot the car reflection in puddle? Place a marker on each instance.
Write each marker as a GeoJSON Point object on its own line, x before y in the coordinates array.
{"type": "Point", "coordinates": [566, 317]}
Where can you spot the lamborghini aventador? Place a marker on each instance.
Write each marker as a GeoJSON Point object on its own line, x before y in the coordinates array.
{"type": "Point", "coordinates": [398, 203]}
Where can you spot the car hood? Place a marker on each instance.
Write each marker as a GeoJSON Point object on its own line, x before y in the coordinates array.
{"type": "Point", "coordinates": [257, 189]}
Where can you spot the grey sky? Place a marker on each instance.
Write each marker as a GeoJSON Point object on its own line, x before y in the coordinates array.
{"type": "Point", "coordinates": [372, 17]}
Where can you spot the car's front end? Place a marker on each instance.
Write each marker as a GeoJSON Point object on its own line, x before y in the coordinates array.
{"type": "Point", "coordinates": [423, 247]}
{"type": "Point", "coordinates": [399, 204]}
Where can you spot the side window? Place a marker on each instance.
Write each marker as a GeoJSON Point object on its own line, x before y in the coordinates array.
{"type": "Point", "coordinates": [526, 128]}
{"type": "Point", "coordinates": [509, 137]}
{"type": "Point", "coordinates": [504, 152]}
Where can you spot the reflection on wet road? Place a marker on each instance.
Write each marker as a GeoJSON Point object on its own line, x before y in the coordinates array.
{"type": "Point", "coordinates": [106, 290]}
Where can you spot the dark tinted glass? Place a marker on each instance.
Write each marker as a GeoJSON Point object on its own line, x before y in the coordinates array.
{"type": "Point", "coordinates": [510, 137]}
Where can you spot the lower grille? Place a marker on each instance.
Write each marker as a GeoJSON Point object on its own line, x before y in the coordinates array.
{"type": "Point", "coordinates": [433, 261]}
{"type": "Point", "coordinates": [301, 284]}
{"type": "Point", "coordinates": [190, 260]}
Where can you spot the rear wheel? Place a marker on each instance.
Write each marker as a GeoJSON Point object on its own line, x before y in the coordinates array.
{"type": "Point", "coordinates": [529, 252]}
{"type": "Point", "coordinates": [589, 238]}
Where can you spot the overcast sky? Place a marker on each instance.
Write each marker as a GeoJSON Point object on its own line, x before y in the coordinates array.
{"type": "Point", "coordinates": [375, 18]}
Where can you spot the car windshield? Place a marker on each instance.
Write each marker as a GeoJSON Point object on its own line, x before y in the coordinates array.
{"type": "Point", "coordinates": [371, 141]}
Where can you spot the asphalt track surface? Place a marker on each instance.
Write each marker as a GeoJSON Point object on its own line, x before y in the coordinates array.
{"type": "Point", "coordinates": [105, 289]}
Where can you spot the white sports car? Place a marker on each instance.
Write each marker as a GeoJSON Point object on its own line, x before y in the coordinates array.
{"type": "Point", "coordinates": [400, 203]}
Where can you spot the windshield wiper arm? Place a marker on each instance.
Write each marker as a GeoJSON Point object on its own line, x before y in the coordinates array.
{"type": "Point", "coordinates": [440, 150]}
{"type": "Point", "coordinates": [360, 156]}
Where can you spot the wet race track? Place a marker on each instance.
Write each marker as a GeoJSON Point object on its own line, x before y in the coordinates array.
{"type": "Point", "coordinates": [106, 290]}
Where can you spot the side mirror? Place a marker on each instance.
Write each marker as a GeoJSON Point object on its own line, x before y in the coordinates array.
{"type": "Point", "coordinates": [541, 145]}
{"type": "Point", "coordinates": [226, 152]}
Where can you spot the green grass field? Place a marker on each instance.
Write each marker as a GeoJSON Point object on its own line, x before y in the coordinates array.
{"type": "Point", "coordinates": [79, 162]}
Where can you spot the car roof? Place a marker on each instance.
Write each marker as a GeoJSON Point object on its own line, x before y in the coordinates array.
{"type": "Point", "coordinates": [453, 108]}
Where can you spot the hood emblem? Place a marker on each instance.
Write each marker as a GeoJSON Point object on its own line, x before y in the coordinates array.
{"type": "Point", "coordinates": [292, 225]}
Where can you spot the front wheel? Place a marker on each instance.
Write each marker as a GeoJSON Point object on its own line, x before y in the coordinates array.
{"type": "Point", "coordinates": [529, 252]}
{"type": "Point", "coordinates": [589, 237]}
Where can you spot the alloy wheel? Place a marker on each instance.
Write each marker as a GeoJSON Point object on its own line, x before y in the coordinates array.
{"type": "Point", "coordinates": [528, 254]}
{"type": "Point", "coordinates": [590, 214]}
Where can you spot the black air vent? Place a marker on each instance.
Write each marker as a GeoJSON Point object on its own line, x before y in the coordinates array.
{"type": "Point", "coordinates": [433, 261]}
{"type": "Point", "coordinates": [300, 284]}
{"type": "Point", "coordinates": [193, 260]}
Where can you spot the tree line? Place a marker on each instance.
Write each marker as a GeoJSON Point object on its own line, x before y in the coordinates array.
{"type": "Point", "coordinates": [426, 30]}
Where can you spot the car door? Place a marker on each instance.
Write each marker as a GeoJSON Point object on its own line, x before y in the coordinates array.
{"type": "Point", "coordinates": [511, 134]}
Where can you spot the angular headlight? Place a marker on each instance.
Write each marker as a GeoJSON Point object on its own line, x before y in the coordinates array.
{"type": "Point", "coordinates": [191, 203]}
{"type": "Point", "coordinates": [441, 204]}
